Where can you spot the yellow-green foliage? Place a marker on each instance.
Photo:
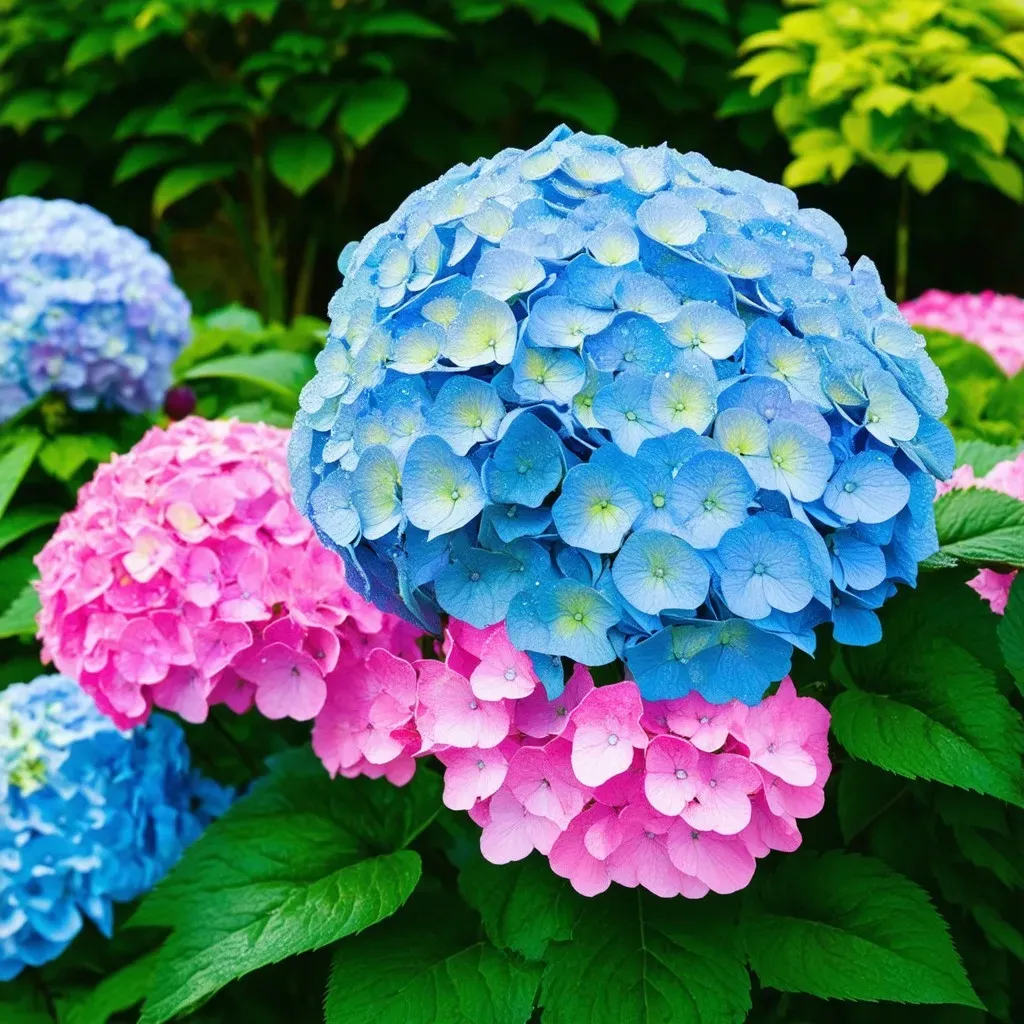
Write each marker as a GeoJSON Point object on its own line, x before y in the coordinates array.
{"type": "Point", "coordinates": [915, 87]}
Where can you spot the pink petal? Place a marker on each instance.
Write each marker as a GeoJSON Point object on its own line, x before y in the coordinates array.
{"type": "Point", "coordinates": [723, 865]}
{"type": "Point", "coordinates": [288, 683]}
{"type": "Point", "coordinates": [512, 832]}
{"type": "Point", "coordinates": [670, 781]}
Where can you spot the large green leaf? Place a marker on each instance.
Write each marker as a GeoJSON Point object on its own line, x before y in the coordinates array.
{"type": "Point", "coordinates": [19, 618]}
{"type": "Point", "coordinates": [980, 527]}
{"type": "Point", "coordinates": [14, 464]}
{"type": "Point", "coordinates": [300, 161]}
{"type": "Point", "coordinates": [144, 156]}
{"type": "Point", "coordinates": [283, 373]}
{"type": "Point", "coordinates": [842, 926]}
{"type": "Point", "coordinates": [371, 106]}
{"type": "Point", "coordinates": [297, 864]}
{"type": "Point", "coordinates": [1011, 632]}
{"type": "Point", "coordinates": [938, 714]}
{"type": "Point", "coordinates": [427, 965]}
{"type": "Point", "coordinates": [638, 959]}
{"type": "Point", "coordinates": [524, 905]}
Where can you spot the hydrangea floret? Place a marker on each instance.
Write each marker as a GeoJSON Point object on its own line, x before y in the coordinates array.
{"type": "Point", "coordinates": [89, 816]}
{"type": "Point", "coordinates": [1007, 477]}
{"type": "Point", "coordinates": [186, 578]}
{"type": "Point", "coordinates": [86, 310]}
{"type": "Point", "coordinates": [629, 404]}
{"type": "Point", "coordinates": [678, 796]}
{"type": "Point", "coordinates": [993, 321]}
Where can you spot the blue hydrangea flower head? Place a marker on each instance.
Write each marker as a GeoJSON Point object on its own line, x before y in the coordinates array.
{"type": "Point", "coordinates": [89, 816]}
{"type": "Point", "coordinates": [86, 310]}
{"type": "Point", "coordinates": [630, 404]}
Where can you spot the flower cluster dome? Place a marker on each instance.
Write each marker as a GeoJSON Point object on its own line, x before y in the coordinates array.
{"type": "Point", "coordinates": [678, 796]}
{"type": "Point", "coordinates": [185, 578]}
{"type": "Point", "coordinates": [630, 404]}
{"type": "Point", "coordinates": [89, 816]}
{"type": "Point", "coordinates": [1007, 477]}
{"type": "Point", "coordinates": [86, 310]}
{"type": "Point", "coordinates": [993, 321]}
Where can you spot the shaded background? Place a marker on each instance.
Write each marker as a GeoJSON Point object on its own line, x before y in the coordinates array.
{"type": "Point", "coordinates": [85, 83]}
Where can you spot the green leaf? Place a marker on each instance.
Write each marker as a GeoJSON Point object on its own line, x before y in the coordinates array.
{"type": "Point", "coordinates": [841, 926]}
{"type": "Point", "coordinates": [426, 966]}
{"type": "Point", "coordinates": [300, 161]}
{"type": "Point", "coordinates": [370, 107]}
{"type": "Point", "coordinates": [20, 523]}
{"type": "Point", "coordinates": [15, 463]}
{"type": "Point", "coordinates": [26, 108]}
{"type": "Point", "coordinates": [1004, 172]}
{"type": "Point", "coordinates": [982, 456]}
{"type": "Point", "coordinates": [767, 68]}
{"type": "Point", "coordinates": [28, 178]}
{"type": "Point", "coordinates": [402, 23]}
{"type": "Point", "coordinates": [926, 168]}
{"type": "Point", "coordinates": [638, 959]}
{"type": "Point", "coordinates": [144, 156]}
{"type": "Point", "coordinates": [183, 181]}
{"type": "Point", "coordinates": [63, 456]}
{"type": "Point", "coordinates": [115, 994]}
{"type": "Point", "coordinates": [580, 97]}
{"type": "Point", "coordinates": [567, 12]}
{"type": "Point", "coordinates": [864, 794]}
{"type": "Point", "coordinates": [300, 862]}
{"type": "Point", "coordinates": [283, 373]}
{"type": "Point", "coordinates": [21, 1003]}
{"type": "Point", "coordinates": [90, 46]}
{"type": "Point", "coordinates": [981, 527]}
{"type": "Point", "coordinates": [937, 714]}
{"type": "Point", "coordinates": [1011, 632]}
{"type": "Point", "coordinates": [19, 619]}
{"type": "Point", "coordinates": [524, 905]}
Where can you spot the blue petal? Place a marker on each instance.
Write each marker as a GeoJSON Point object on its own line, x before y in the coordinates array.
{"type": "Point", "coordinates": [375, 490]}
{"type": "Point", "coordinates": [624, 408]}
{"type": "Point", "coordinates": [655, 571]}
{"type": "Point", "coordinates": [527, 464]}
{"type": "Point", "coordinates": [595, 509]}
{"type": "Point", "coordinates": [484, 332]}
{"type": "Point", "coordinates": [548, 374]}
{"type": "Point", "coordinates": [867, 488]}
{"type": "Point", "coordinates": [567, 618]}
{"type": "Point", "coordinates": [440, 490]}
{"type": "Point", "coordinates": [332, 506]}
{"type": "Point", "coordinates": [710, 496]}
{"type": "Point", "coordinates": [505, 273]}
{"type": "Point", "coordinates": [555, 322]}
{"type": "Point", "coordinates": [478, 585]}
{"type": "Point", "coordinates": [465, 413]}
{"type": "Point", "coordinates": [632, 341]}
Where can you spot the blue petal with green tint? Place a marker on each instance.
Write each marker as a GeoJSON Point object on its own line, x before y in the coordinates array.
{"type": "Point", "coordinates": [655, 571]}
{"type": "Point", "coordinates": [595, 509]}
{"type": "Point", "coordinates": [441, 491]}
{"type": "Point", "coordinates": [567, 618]}
{"type": "Point", "coordinates": [710, 495]}
{"type": "Point", "coordinates": [466, 412]}
{"type": "Point", "coordinates": [376, 492]}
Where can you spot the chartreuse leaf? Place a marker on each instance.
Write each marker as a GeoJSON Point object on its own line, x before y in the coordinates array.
{"type": "Point", "coordinates": [980, 527]}
{"type": "Point", "coordinates": [115, 994]}
{"type": "Point", "coordinates": [1011, 633]}
{"type": "Point", "coordinates": [427, 965]}
{"type": "Point", "coordinates": [300, 161]}
{"type": "Point", "coordinates": [298, 863]}
{"type": "Point", "coordinates": [15, 463]}
{"type": "Point", "coordinates": [924, 707]}
{"type": "Point", "coordinates": [66, 454]}
{"type": "Point", "coordinates": [282, 372]}
{"type": "Point", "coordinates": [524, 905]}
{"type": "Point", "coordinates": [842, 926]}
{"type": "Point", "coordinates": [638, 959]}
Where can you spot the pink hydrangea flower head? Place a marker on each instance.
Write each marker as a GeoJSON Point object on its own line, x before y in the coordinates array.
{"type": "Point", "coordinates": [186, 578]}
{"type": "Point", "coordinates": [607, 730]}
{"type": "Point", "coordinates": [1008, 478]}
{"type": "Point", "coordinates": [995, 322]}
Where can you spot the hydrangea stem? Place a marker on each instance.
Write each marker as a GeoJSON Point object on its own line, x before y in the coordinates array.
{"type": "Point", "coordinates": [903, 241]}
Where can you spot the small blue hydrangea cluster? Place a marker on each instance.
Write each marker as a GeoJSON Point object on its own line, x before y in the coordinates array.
{"type": "Point", "coordinates": [89, 816]}
{"type": "Point", "coordinates": [631, 404]}
{"type": "Point", "coordinates": [86, 310]}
